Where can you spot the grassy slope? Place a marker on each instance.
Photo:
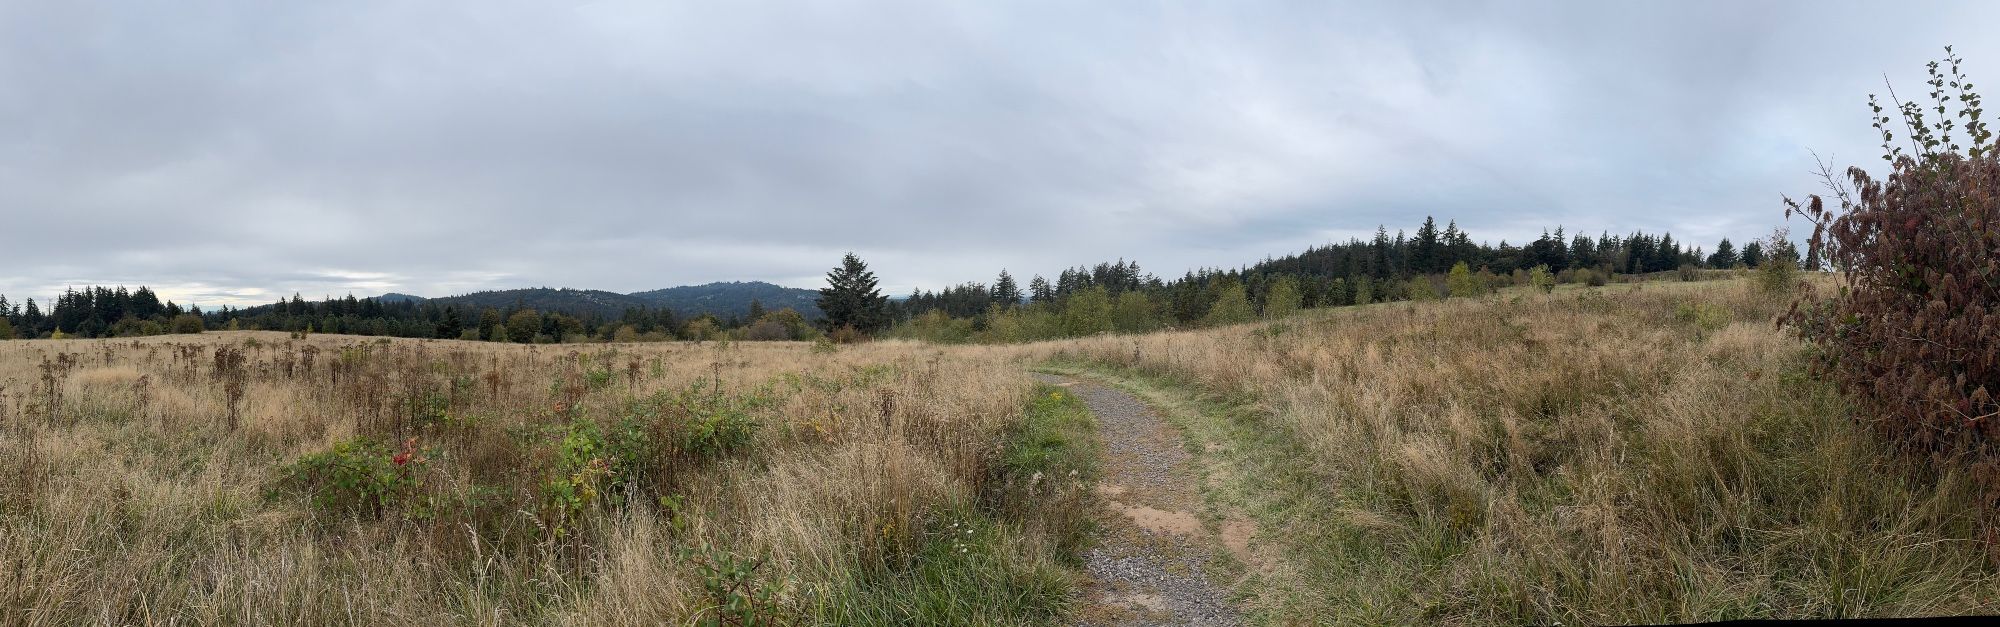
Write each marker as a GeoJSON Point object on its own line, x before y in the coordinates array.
{"type": "Point", "coordinates": [1656, 454]}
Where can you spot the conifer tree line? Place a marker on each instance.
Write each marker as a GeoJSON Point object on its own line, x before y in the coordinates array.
{"type": "Point", "coordinates": [1431, 263]}
{"type": "Point", "coordinates": [97, 312]}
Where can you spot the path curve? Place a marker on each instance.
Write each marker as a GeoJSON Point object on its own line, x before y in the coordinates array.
{"type": "Point", "coordinates": [1149, 567]}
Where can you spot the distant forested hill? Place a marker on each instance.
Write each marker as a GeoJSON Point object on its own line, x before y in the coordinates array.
{"type": "Point", "coordinates": [565, 300]}
{"type": "Point", "coordinates": [732, 298]}
{"type": "Point", "coordinates": [721, 299]}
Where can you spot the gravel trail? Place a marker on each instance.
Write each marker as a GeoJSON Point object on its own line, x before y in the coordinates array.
{"type": "Point", "coordinates": [1149, 568]}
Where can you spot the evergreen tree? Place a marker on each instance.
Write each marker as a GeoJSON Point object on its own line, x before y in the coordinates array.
{"type": "Point", "coordinates": [1725, 255]}
{"type": "Point", "coordinates": [1039, 290]}
{"type": "Point", "coordinates": [1425, 254]}
{"type": "Point", "coordinates": [1753, 254]}
{"type": "Point", "coordinates": [851, 299]}
{"type": "Point", "coordinates": [1005, 291]}
{"type": "Point", "coordinates": [756, 309]}
{"type": "Point", "coordinates": [452, 326]}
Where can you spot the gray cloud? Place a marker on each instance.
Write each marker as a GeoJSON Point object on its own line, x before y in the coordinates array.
{"type": "Point", "coordinates": [237, 152]}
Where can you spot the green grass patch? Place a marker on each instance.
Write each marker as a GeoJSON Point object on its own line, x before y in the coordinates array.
{"type": "Point", "coordinates": [1007, 560]}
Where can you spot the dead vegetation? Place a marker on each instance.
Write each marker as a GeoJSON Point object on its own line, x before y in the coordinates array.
{"type": "Point", "coordinates": [253, 478]}
{"type": "Point", "coordinates": [1648, 453]}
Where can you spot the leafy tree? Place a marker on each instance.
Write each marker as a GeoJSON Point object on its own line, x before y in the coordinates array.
{"type": "Point", "coordinates": [187, 323]}
{"type": "Point", "coordinates": [490, 322]}
{"type": "Point", "coordinates": [851, 298]}
{"type": "Point", "coordinates": [523, 326]}
{"type": "Point", "coordinates": [6, 329]}
{"type": "Point", "coordinates": [1134, 313]}
{"type": "Point", "coordinates": [1232, 306]}
{"type": "Point", "coordinates": [1462, 282]}
{"type": "Point", "coordinates": [1087, 312]}
{"type": "Point", "coordinates": [1282, 298]}
{"type": "Point", "coordinates": [1364, 290]}
{"type": "Point", "coordinates": [702, 329]}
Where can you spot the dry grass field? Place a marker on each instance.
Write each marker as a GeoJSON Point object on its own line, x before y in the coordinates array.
{"type": "Point", "coordinates": [1648, 453]}
{"type": "Point", "coordinates": [162, 481]}
{"type": "Point", "coordinates": [1638, 453]}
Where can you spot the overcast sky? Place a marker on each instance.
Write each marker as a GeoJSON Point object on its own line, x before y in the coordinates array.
{"type": "Point", "coordinates": [240, 151]}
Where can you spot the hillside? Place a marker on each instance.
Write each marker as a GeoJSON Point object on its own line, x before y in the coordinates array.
{"type": "Point", "coordinates": [565, 300]}
{"type": "Point", "coordinates": [721, 299]}
{"type": "Point", "coordinates": [732, 298]}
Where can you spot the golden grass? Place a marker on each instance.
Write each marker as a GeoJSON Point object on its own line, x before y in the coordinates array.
{"type": "Point", "coordinates": [1649, 453]}
{"type": "Point", "coordinates": [1592, 456]}
{"type": "Point", "coordinates": [133, 501]}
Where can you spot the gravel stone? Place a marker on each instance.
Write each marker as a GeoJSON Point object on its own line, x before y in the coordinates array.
{"type": "Point", "coordinates": [1145, 576]}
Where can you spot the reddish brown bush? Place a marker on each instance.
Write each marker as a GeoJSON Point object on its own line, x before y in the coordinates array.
{"type": "Point", "coordinates": [1914, 331]}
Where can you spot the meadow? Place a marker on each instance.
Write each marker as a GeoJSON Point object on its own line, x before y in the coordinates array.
{"type": "Point", "coordinates": [257, 478]}
{"type": "Point", "coordinates": [1649, 452]}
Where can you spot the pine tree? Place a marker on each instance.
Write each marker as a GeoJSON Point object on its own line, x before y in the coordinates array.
{"type": "Point", "coordinates": [1753, 254]}
{"type": "Point", "coordinates": [1005, 290]}
{"type": "Point", "coordinates": [756, 309]}
{"type": "Point", "coordinates": [1725, 255]}
{"type": "Point", "coordinates": [851, 298]}
{"type": "Point", "coordinates": [1424, 255]}
{"type": "Point", "coordinates": [1039, 290]}
{"type": "Point", "coordinates": [452, 326]}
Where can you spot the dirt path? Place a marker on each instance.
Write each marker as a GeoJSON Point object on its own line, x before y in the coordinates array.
{"type": "Point", "coordinates": [1149, 568]}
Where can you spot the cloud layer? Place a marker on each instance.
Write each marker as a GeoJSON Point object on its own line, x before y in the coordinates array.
{"type": "Point", "coordinates": [237, 152]}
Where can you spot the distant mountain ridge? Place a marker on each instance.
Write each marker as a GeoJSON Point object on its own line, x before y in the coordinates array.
{"type": "Point", "coordinates": [722, 299]}
{"type": "Point", "coordinates": [733, 298]}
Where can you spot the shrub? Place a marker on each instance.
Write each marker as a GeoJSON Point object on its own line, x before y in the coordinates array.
{"type": "Point", "coordinates": [359, 476]}
{"type": "Point", "coordinates": [1541, 279]}
{"type": "Point", "coordinates": [1463, 282]}
{"type": "Point", "coordinates": [1595, 278]}
{"type": "Point", "coordinates": [1706, 317]}
{"type": "Point", "coordinates": [6, 330]}
{"type": "Point", "coordinates": [845, 335]}
{"type": "Point", "coordinates": [1779, 274]}
{"type": "Point", "coordinates": [186, 323]}
{"type": "Point", "coordinates": [1688, 272]}
{"type": "Point", "coordinates": [1911, 333]}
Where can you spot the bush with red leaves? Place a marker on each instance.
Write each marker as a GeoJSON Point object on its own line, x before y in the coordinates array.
{"type": "Point", "coordinates": [1913, 334]}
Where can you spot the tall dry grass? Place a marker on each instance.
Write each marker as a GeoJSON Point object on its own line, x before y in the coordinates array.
{"type": "Point", "coordinates": [129, 495]}
{"type": "Point", "coordinates": [1650, 453]}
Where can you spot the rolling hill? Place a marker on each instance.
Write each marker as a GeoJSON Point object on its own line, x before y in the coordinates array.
{"type": "Point", "coordinates": [723, 299]}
